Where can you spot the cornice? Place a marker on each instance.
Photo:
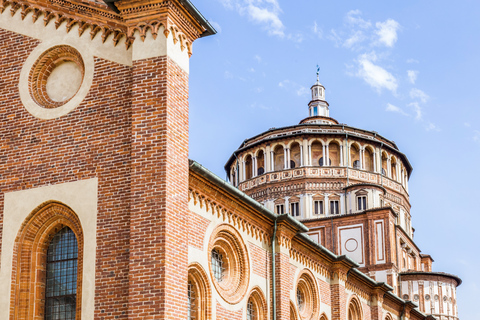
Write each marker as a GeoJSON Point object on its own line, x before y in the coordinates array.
{"type": "Point", "coordinates": [134, 21]}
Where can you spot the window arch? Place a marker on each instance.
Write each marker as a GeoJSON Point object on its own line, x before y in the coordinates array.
{"type": "Point", "coordinates": [199, 293]}
{"type": "Point", "coordinates": [307, 296]}
{"type": "Point", "coordinates": [260, 162]}
{"type": "Point", "coordinates": [295, 155]}
{"type": "Point", "coordinates": [334, 153]}
{"type": "Point", "coordinates": [248, 167]}
{"type": "Point", "coordinates": [29, 268]}
{"type": "Point", "coordinates": [279, 158]}
{"type": "Point", "coordinates": [256, 305]}
{"type": "Point", "coordinates": [355, 156]}
{"type": "Point", "coordinates": [354, 310]}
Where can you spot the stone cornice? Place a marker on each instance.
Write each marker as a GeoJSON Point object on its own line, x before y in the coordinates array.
{"type": "Point", "coordinates": [134, 21]}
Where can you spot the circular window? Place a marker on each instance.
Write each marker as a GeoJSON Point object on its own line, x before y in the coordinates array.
{"type": "Point", "coordinates": [228, 263]}
{"type": "Point", "coordinates": [445, 298]}
{"type": "Point", "coordinates": [427, 297]}
{"type": "Point", "coordinates": [307, 296]}
{"type": "Point", "coordinates": [405, 297]}
{"type": "Point", "coordinates": [416, 297]}
{"type": "Point", "coordinates": [436, 297]}
{"type": "Point", "coordinates": [56, 76]}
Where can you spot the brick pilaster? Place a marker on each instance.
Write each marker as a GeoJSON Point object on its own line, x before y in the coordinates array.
{"type": "Point", "coordinates": [159, 191]}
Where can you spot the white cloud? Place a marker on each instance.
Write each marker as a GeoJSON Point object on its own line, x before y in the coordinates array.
{"type": "Point", "coordinates": [228, 75]}
{"type": "Point", "coordinates": [263, 12]}
{"type": "Point", "coordinates": [431, 127]}
{"type": "Point", "coordinates": [216, 26]}
{"type": "Point", "coordinates": [387, 32]}
{"type": "Point", "coordinates": [412, 76]}
{"type": "Point", "coordinates": [467, 124]}
{"type": "Point", "coordinates": [357, 37]}
{"type": "Point", "coordinates": [412, 61]}
{"type": "Point", "coordinates": [269, 17]}
{"type": "Point", "coordinates": [317, 30]}
{"type": "Point", "coordinates": [419, 94]}
{"type": "Point", "coordinates": [476, 135]}
{"type": "Point", "coordinates": [252, 70]}
{"type": "Point", "coordinates": [354, 18]}
{"type": "Point", "coordinates": [294, 87]}
{"type": "Point", "coordinates": [417, 109]}
{"type": "Point", "coordinates": [258, 58]}
{"type": "Point", "coordinates": [392, 108]}
{"type": "Point", "coordinates": [374, 75]}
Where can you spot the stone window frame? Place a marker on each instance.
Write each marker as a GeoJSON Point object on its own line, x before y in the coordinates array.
{"type": "Point", "coordinates": [30, 250]}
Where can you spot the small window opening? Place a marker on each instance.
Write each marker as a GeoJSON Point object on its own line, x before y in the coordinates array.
{"type": "Point", "coordinates": [334, 207]}
{"type": "Point", "coordinates": [361, 202]}
{"type": "Point", "coordinates": [191, 301]}
{"type": "Point", "coordinates": [251, 312]}
{"type": "Point", "coordinates": [318, 206]}
{"type": "Point", "coordinates": [356, 164]}
{"type": "Point", "coordinates": [300, 300]}
{"type": "Point", "coordinates": [218, 267]}
{"type": "Point", "coordinates": [320, 162]}
{"type": "Point", "coordinates": [260, 171]}
{"type": "Point", "coordinates": [279, 208]}
{"type": "Point", "coordinates": [292, 164]}
{"type": "Point", "coordinates": [294, 209]}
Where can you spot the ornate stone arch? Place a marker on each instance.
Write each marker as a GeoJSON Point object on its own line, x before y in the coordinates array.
{"type": "Point", "coordinates": [354, 309]}
{"type": "Point", "coordinates": [29, 266]}
{"type": "Point", "coordinates": [200, 290]}
{"type": "Point", "coordinates": [257, 298]}
{"type": "Point", "coordinates": [323, 316]}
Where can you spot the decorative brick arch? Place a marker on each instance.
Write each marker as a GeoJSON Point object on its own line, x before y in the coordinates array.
{"type": "Point", "coordinates": [308, 289]}
{"type": "Point", "coordinates": [27, 299]}
{"type": "Point", "coordinates": [258, 299]}
{"type": "Point", "coordinates": [354, 309]}
{"type": "Point", "coordinates": [199, 279]}
{"type": "Point", "coordinates": [293, 312]}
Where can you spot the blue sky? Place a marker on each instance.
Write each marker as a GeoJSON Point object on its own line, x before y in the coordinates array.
{"type": "Point", "coordinates": [406, 69]}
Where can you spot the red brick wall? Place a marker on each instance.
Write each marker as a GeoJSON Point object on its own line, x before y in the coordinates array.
{"type": "Point", "coordinates": [197, 227]}
{"type": "Point", "coordinates": [261, 262]}
{"type": "Point", "coordinates": [159, 188]}
{"type": "Point", "coordinates": [224, 314]}
{"type": "Point", "coordinates": [91, 141]}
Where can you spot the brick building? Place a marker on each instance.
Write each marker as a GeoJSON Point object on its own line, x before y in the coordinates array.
{"type": "Point", "coordinates": [104, 217]}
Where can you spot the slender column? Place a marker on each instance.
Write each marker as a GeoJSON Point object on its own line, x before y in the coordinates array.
{"type": "Point", "coordinates": [301, 156]}
{"type": "Point", "coordinates": [302, 206]}
{"type": "Point", "coordinates": [267, 159]}
{"type": "Point", "coordinates": [326, 206]}
{"type": "Point", "coordinates": [285, 165]}
{"type": "Point", "coordinates": [389, 167]}
{"type": "Point", "coordinates": [309, 155]}
{"type": "Point", "coordinates": [236, 178]}
{"type": "Point", "coordinates": [272, 161]}
{"type": "Point", "coordinates": [254, 166]}
{"type": "Point", "coordinates": [327, 157]}
{"type": "Point", "coordinates": [323, 155]}
{"type": "Point", "coordinates": [244, 172]}
{"type": "Point", "coordinates": [374, 161]}
{"type": "Point", "coordinates": [341, 155]}
{"type": "Point", "coordinates": [342, 208]}
{"type": "Point", "coordinates": [287, 205]}
{"type": "Point", "coordinates": [360, 157]}
{"type": "Point", "coordinates": [288, 158]}
{"type": "Point", "coordinates": [305, 152]}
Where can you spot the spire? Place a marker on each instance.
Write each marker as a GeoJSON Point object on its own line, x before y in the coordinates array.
{"type": "Point", "coordinates": [318, 106]}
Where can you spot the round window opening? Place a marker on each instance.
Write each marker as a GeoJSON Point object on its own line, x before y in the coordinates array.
{"type": "Point", "coordinates": [56, 76]}
{"type": "Point", "coordinates": [229, 265]}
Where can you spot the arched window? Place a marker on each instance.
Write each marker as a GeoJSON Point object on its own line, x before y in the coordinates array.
{"type": "Point", "coordinates": [61, 279]}
{"type": "Point", "coordinates": [278, 158]}
{"type": "Point", "coordinates": [256, 305]}
{"type": "Point", "coordinates": [199, 293]}
{"type": "Point", "coordinates": [356, 164]}
{"type": "Point", "coordinates": [320, 162]}
{"type": "Point", "coordinates": [354, 310]}
{"type": "Point", "coordinates": [48, 264]}
{"type": "Point", "coordinates": [292, 164]}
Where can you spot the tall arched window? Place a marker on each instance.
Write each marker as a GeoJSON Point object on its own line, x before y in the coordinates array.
{"type": "Point", "coordinates": [354, 310]}
{"type": "Point", "coordinates": [48, 264]}
{"type": "Point", "coordinates": [198, 293]}
{"type": "Point", "coordinates": [61, 279]}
